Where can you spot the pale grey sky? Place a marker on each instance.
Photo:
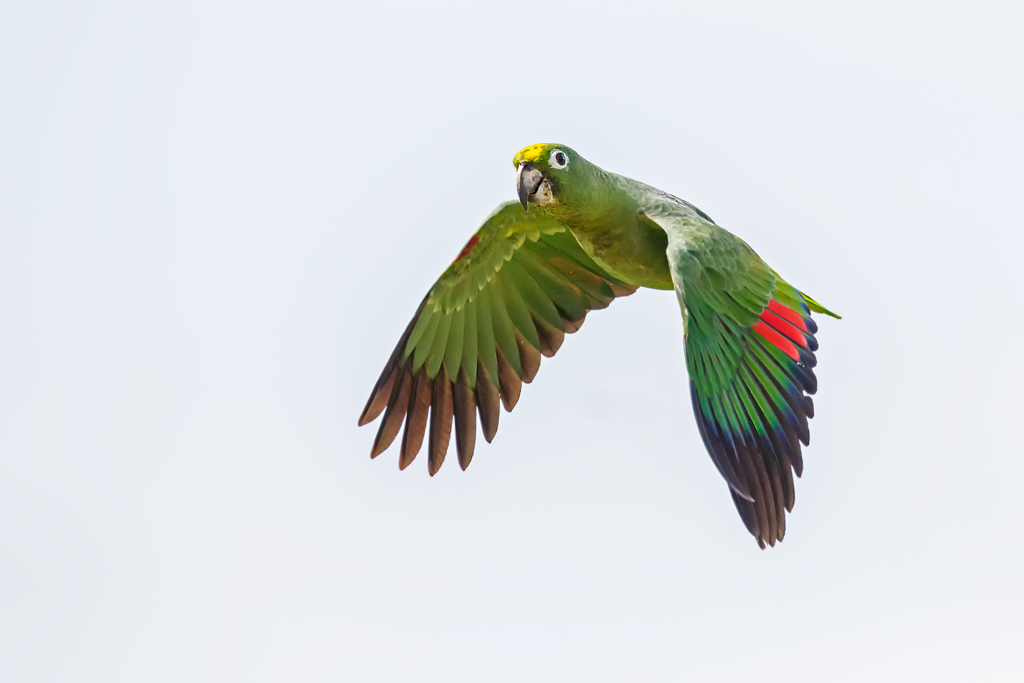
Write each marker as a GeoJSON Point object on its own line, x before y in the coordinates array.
{"type": "Point", "coordinates": [216, 219]}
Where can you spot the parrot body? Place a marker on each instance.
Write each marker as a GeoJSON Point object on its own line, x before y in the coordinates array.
{"type": "Point", "coordinates": [528, 277]}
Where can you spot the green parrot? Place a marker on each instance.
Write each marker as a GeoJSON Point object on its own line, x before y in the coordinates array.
{"type": "Point", "coordinates": [527, 277]}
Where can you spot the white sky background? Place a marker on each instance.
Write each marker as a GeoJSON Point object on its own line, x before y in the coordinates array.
{"type": "Point", "coordinates": [217, 218]}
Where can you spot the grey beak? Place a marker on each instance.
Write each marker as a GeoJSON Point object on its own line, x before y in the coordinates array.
{"type": "Point", "coordinates": [528, 179]}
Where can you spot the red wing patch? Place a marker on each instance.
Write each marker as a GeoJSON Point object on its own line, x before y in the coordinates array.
{"type": "Point", "coordinates": [774, 337]}
{"type": "Point", "coordinates": [788, 314]}
{"type": "Point", "coordinates": [785, 328]}
{"type": "Point", "coordinates": [469, 246]}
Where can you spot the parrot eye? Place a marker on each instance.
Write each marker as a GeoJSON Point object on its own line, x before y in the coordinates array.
{"type": "Point", "coordinates": [558, 159]}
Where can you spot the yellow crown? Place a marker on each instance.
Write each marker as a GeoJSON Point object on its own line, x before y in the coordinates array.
{"type": "Point", "coordinates": [531, 153]}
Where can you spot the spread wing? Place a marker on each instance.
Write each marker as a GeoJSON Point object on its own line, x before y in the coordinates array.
{"type": "Point", "coordinates": [749, 353]}
{"type": "Point", "coordinates": [521, 282]}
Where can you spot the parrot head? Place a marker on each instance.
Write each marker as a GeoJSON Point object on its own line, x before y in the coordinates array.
{"type": "Point", "coordinates": [550, 175]}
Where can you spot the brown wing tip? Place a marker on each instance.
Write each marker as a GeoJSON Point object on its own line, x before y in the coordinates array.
{"type": "Point", "coordinates": [464, 403]}
{"type": "Point", "coordinates": [441, 413]}
{"type": "Point", "coordinates": [378, 400]}
{"type": "Point", "coordinates": [510, 385]}
{"type": "Point", "coordinates": [621, 289]}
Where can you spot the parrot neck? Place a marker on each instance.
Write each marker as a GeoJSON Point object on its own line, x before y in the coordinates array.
{"type": "Point", "coordinates": [610, 230]}
{"type": "Point", "coordinates": [603, 205]}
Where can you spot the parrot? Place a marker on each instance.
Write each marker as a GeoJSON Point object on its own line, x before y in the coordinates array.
{"type": "Point", "coordinates": [577, 238]}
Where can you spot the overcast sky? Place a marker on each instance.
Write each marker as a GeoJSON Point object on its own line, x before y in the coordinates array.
{"type": "Point", "coordinates": [217, 218]}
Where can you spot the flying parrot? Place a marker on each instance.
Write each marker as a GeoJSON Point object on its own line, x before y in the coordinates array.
{"type": "Point", "coordinates": [579, 237]}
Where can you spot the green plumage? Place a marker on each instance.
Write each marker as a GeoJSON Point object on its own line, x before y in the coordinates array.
{"type": "Point", "coordinates": [528, 277]}
{"type": "Point", "coordinates": [515, 290]}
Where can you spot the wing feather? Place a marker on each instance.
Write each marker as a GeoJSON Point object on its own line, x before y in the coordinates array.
{"type": "Point", "coordinates": [416, 420]}
{"type": "Point", "coordinates": [749, 352]}
{"type": "Point", "coordinates": [441, 414]}
{"type": "Point", "coordinates": [517, 287]}
{"type": "Point", "coordinates": [488, 403]}
{"type": "Point", "coordinates": [464, 405]}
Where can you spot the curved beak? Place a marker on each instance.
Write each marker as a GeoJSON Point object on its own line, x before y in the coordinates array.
{"type": "Point", "coordinates": [528, 179]}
